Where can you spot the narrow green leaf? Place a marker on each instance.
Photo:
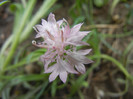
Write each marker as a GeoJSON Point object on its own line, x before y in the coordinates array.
{"type": "Point", "coordinates": [4, 2]}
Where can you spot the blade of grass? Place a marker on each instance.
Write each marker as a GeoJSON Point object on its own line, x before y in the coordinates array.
{"type": "Point", "coordinates": [109, 46]}
{"type": "Point", "coordinates": [42, 11]}
{"type": "Point", "coordinates": [117, 35]}
{"type": "Point", "coordinates": [46, 5]}
{"type": "Point", "coordinates": [117, 63]}
{"type": "Point", "coordinates": [4, 2]}
{"type": "Point", "coordinates": [41, 92]}
{"type": "Point", "coordinates": [115, 2]}
{"type": "Point", "coordinates": [17, 34]}
{"type": "Point", "coordinates": [120, 93]}
{"type": "Point", "coordinates": [32, 57]}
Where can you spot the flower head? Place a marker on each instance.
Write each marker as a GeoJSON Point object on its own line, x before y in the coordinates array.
{"type": "Point", "coordinates": [60, 41]}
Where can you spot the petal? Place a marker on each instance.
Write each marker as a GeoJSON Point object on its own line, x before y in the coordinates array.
{"type": "Point", "coordinates": [69, 68]}
{"type": "Point", "coordinates": [82, 59]}
{"type": "Point", "coordinates": [47, 58]}
{"type": "Point", "coordinates": [60, 66]}
{"type": "Point", "coordinates": [51, 69]}
{"type": "Point", "coordinates": [76, 28]}
{"type": "Point", "coordinates": [38, 35]}
{"type": "Point", "coordinates": [46, 63]}
{"type": "Point", "coordinates": [84, 32]}
{"type": "Point", "coordinates": [49, 54]}
{"type": "Point", "coordinates": [66, 31]}
{"type": "Point", "coordinates": [53, 76]}
{"type": "Point", "coordinates": [44, 22]}
{"type": "Point", "coordinates": [42, 58]}
{"type": "Point", "coordinates": [51, 18]}
{"type": "Point", "coordinates": [38, 28]}
{"type": "Point", "coordinates": [84, 52]}
{"type": "Point", "coordinates": [82, 43]}
{"type": "Point", "coordinates": [59, 22]}
{"type": "Point", "coordinates": [81, 68]}
{"type": "Point", "coordinates": [78, 43]}
{"type": "Point", "coordinates": [85, 60]}
{"type": "Point", "coordinates": [63, 76]}
{"type": "Point", "coordinates": [76, 58]}
{"type": "Point", "coordinates": [75, 38]}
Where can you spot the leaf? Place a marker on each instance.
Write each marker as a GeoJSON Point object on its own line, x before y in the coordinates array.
{"type": "Point", "coordinates": [24, 78]}
{"type": "Point", "coordinates": [42, 90]}
{"type": "Point", "coordinates": [6, 93]}
{"type": "Point", "coordinates": [4, 2]}
{"type": "Point", "coordinates": [114, 4]}
{"type": "Point", "coordinates": [34, 56]}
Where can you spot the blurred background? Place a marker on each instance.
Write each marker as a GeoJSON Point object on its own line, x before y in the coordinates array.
{"type": "Point", "coordinates": [111, 26]}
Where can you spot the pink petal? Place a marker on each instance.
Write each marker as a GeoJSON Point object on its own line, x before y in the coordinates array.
{"type": "Point", "coordinates": [60, 66]}
{"type": "Point", "coordinates": [76, 28]}
{"type": "Point", "coordinates": [77, 58]}
{"type": "Point", "coordinates": [42, 58]}
{"type": "Point", "coordinates": [53, 76]}
{"type": "Point", "coordinates": [39, 28]}
{"type": "Point", "coordinates": [51, 69]}
{"type": "Point", "coordinates": [51, 18]}
{"type": "Point", "coordinates": [38, 35]}
{"type": "Point", "coordinates": [82, 43]}
{"type": "Point", "coordinates": [47, 58]}
{"type": "Point", "coordinates": [71, 60]}
{"type": "Point", "coordinates": [49, 54]}
{"type": "Point", "coordinates": [84, 52]}
{"type": "Point", "coordinates": [81, 68]}
{"type": "Point", "coordinates": [44, 22]}
{"type": "Point", "coordinates": [78, 43]}
{"type": "Point", "coordinates": [63, 76]}
{"type": "Point", "coordinates": [66, 31]}
{"type": "Point", "coordinates": [46, 63]}
{"type": "Point", "coordinates": [75, 38]}
{"type": "Point", "coordinates": [84, 32]}
{"type": "Point", "coordinates": [59, 22]}
{"type": "Point", "coordinates": [69, 68]}
{"type": "Point", "coordinates": [85, 60]}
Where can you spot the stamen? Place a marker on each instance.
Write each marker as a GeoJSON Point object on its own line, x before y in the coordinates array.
{"type": "Point", "coordinates": [36, 29]}
{"type": "Point", "coordinates": [39, 45]}
{"type": "Point", "coordinates": [58, 29]}
{"type": "Point", "coordinates": [34, 42]}
{"type": "Point", "coordinates": [62, 38]}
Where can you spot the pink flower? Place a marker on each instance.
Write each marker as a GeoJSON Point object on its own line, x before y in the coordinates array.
{"type": "Point", "coordinates": [60, 41]}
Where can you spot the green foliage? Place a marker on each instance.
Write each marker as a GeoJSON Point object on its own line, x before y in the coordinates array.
{"type": "Point", "coordinates": [12, 64]}
{"type": "Point", "coordinates": [80, 9]}
{"type": "Point", "coordinates": [100, 3]}
{"type": "Point", "coordinates": [114, 4]}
